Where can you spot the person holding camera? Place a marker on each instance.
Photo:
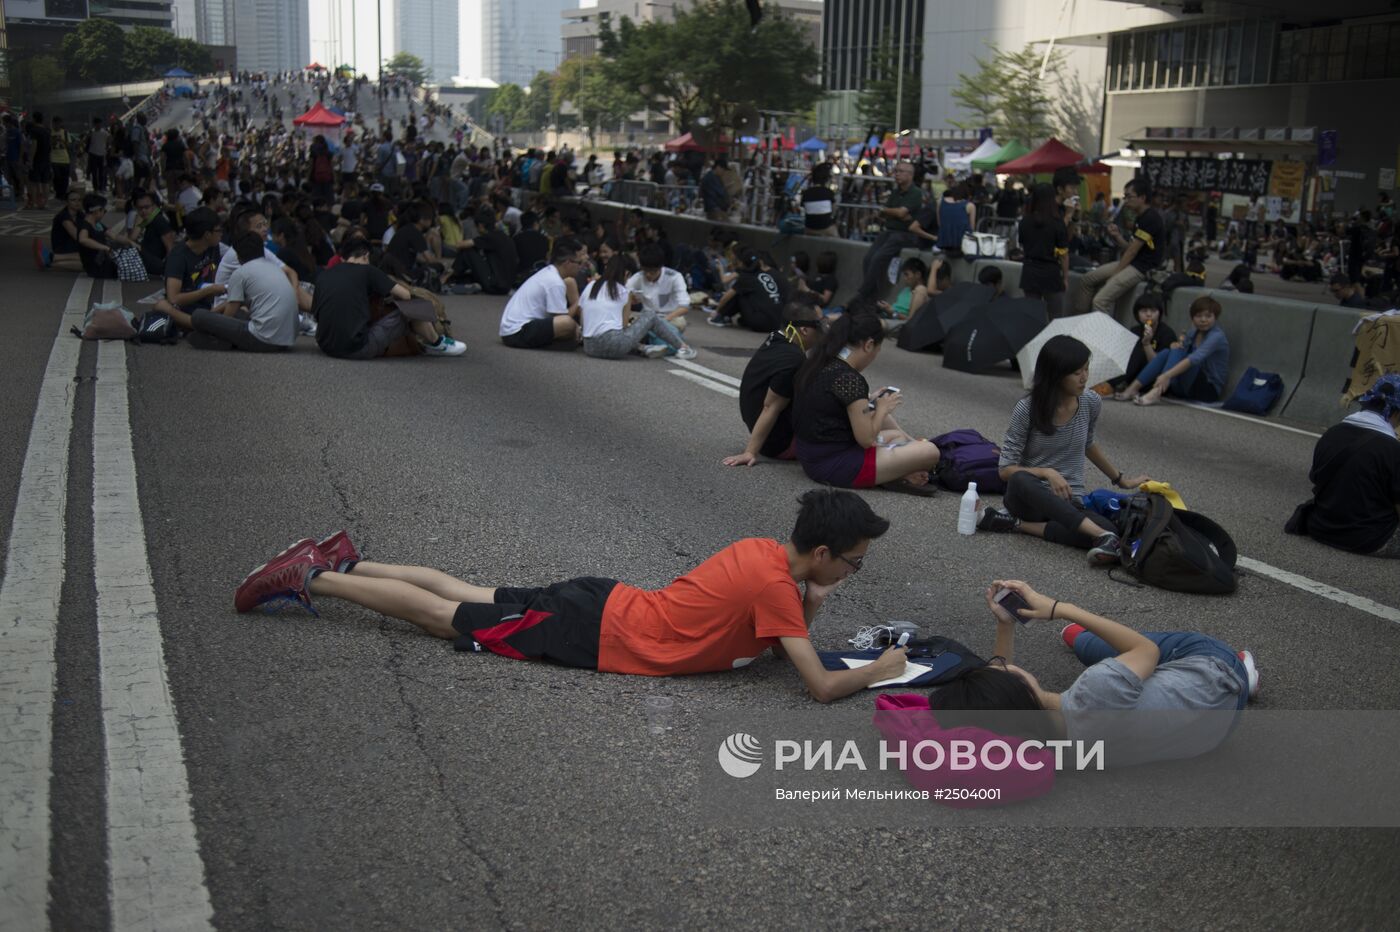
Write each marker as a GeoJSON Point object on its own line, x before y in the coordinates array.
{"type": "Point", "coordinates": [1192, 686]}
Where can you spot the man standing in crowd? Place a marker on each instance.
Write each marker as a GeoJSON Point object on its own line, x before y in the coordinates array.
{"type": "Point", "coordinates": [40, 163]}
{"type": "Point", "coordinates": [97, 155]}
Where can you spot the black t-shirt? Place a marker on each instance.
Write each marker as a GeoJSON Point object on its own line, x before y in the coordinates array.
{"type": "Point", "coordinates": [407, 245]}
{"type": "Point", "coordinates": [820, 199]}
{"type": "Point", "coordinates": [153, 240]}
{"type": "Point", "coordinates": [341, 306]}
{"type": "Point", "coordinates": [43, 144]}
{"type": "Point", "coordinates": [1153, 233]}
{"type": "Point", "coordinates": [1042, 244]}
{"type": "Point", "coordinates": [531, 248]}
{"type": "Point", "coordinates": [376, 222]}
{"type": "Point", "coordinates": [823, 283]}
{"type": "Point", "coordinates": [174, 152]}
{"type": "Point", "coordinates": [1355, 300]}
{"type": "Point", "coordinates": [819, 414]}
{"type": "Point", "coordinates": [1162, 338]}
{"type": "Point", "coordinates": [194, 270]}
{"type": "Point", "coordinates": [60, 241]}
{"type": "Point", "coordinates": [761, 296]}
{"type": "Point", "coordinates": [1356, 485]}
{"type": "Point", "coordinates": [96, 262]}
{"type": "Point", "coordinates": [772, 367]}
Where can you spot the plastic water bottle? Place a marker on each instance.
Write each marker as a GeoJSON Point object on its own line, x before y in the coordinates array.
{"type": "Point", "coordinates": [967, 510]}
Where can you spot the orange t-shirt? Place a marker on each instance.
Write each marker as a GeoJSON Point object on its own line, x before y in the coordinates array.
{"type": "Point", "coordinates": [719, 616]}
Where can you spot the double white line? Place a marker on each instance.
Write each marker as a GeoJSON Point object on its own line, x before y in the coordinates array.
{"type": "Point", "coordinates": [702, 375]}
{"type": "Point", "coordinates": [156, 872]}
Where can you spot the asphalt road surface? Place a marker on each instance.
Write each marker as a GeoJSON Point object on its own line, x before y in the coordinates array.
{"type": "Point", "coordinates": [345, 771]}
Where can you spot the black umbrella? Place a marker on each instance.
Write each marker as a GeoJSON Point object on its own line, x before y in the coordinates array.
{"type": "Point", "coordinates": [993, 333]}
{"type": "Point", "coordinates": [930, 326]}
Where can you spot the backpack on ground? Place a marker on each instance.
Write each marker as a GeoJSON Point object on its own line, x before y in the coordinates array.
{"type": "Point", "coordinates": [107, 320]}
{"type": "Point", "coordinates": [1169, 548]}
{"type": "Point", "coordinates": [157, 327]}
{"type": "Point", "coordinates": [1256, 392]}
{"type": "Point", "coordinates": [966, 456]}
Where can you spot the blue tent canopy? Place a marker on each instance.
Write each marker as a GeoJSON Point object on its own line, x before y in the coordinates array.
{"type": "Point", "coordinates": [749, 140]}
{"type": "Point", "coordinates": [812, 145]}
{"type": "Point", "coordinates": [178, 73]}
{"type": "Point", "coordinates": [184, 90]}
{"type": "Point", "coordinates": [857, 149]}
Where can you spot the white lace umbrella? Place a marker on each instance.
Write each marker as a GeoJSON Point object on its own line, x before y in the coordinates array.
{"type": "Point", "coordinates": [1110, 345]}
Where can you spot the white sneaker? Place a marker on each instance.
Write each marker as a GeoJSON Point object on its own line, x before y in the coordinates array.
{"type": "Point", "coordinates": [686, 352]}
{"type": "Point", "coordinates": [653, 350]}
{"type": "Point", "coordinates": [445, 346]}
{"type": "Point", "coordinates": [1251, 672]}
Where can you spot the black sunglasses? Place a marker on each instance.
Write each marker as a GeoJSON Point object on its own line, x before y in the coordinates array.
{"type": "Point", "coordinates": [854, 564]}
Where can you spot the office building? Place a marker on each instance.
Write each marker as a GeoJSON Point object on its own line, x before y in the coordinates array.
{"type": "Point", "coordinates": [428, 29]}
{"type": "Point", "coordinates": [520, 38]}
{"type": "Point", "coordinates": [271, 35]}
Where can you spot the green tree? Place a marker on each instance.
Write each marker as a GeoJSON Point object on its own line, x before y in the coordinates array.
{"type": "Point", "coordinates": [710, 62]}
{"type": "Point", "coordinates": [876, 102]}
{"type": "Point", "coordinates": [1009, 94]}
{"type": "Point", "coordinates": [539, 102]}
{"type": "Point", "coordinates": [148, 52]}
{"type": "Point", "coordinates": [583, 84]}
{"type": "Point", "coordinates": [407, 65]}
{"type": "Point", "coordinates": [94, 51]}
{"type": "Point", "coordinates": [32, 75]}
{"type": "Point", "coordinates": [508, 103]}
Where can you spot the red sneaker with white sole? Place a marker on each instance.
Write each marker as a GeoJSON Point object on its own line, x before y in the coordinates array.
{"type": "Point", "coordinates": [284, 576]}
{"type": "Point", "coordinates": [1069, 632]}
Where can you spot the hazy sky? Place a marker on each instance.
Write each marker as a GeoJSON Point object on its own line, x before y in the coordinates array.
{"type": "Point", "coordinates": [332, 35]}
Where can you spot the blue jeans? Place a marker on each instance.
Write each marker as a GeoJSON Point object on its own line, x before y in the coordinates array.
{"type": "Point", "coordinates": [1172, 645]}
{"type": "Point", "coordinates": [1181, 385]}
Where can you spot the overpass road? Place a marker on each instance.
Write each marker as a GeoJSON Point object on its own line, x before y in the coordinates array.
{"type": "Point", "coordinates": [344, 771]}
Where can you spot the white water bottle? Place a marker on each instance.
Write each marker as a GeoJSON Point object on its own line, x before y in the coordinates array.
{"type": "Point", "coordinates": [967, 510]}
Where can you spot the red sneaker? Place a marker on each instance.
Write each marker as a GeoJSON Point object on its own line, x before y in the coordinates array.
{"type": "Point", "coordinates": [301, 543]}
{"type": "Point", "coordinates": [286, 576]}
{"type": "Point", "coordinates": [1069, 632]}
{"type": "Point", "coordinates": [339, 552]}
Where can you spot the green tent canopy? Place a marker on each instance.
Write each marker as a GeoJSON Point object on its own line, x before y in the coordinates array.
{"type": "Point", "coordinates": [1012, 150]}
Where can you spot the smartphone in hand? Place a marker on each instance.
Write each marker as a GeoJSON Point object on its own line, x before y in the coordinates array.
{"type": "Point", "coordinates": [1011, 601]}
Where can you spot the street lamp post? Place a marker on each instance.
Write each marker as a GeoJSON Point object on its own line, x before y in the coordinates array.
{"type": "Point", "coordinates": [554, 114]}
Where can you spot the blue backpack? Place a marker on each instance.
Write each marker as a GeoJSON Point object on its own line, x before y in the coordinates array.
{"type": "Point", "coordinates": [966, 456]}
{"type": "Point", "coordinates": [1256, 392]}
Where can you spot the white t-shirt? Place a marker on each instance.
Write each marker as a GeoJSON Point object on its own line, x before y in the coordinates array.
{"type": "Point", "coordinates": [664, 295]}
{"type": "Point", "coordinates": [349, 157]}
{"type": "Point", "coordinates": [602, 314]}
{"type": "Point", "coordinates": [512, 219]}
{"type": "Point", "coordinates": [541, 296]}
{"type": "Point", "coordinates": [189, 198]}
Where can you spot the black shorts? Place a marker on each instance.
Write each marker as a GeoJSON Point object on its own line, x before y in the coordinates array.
{"type": "Point", "coordinates": [537, 334]}
{"type": "Point", "coordinates": [561, 623]}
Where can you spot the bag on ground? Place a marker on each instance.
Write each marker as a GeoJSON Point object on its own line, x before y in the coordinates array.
{"type": "Point", "coordinates": [130, 266]}
{"type": "Point", "coordinates": [966, 456]}
{"type": "Point", "coordinates": [157, 327]}
{"type": "Point", "coordinates": [107, 320]}
{"type": "Point", "coordinates": [1169, 548]}
{"type": "Point", "coordinates": [1256, 392]}
{"type": "Point", "coordinates": [983, 246]}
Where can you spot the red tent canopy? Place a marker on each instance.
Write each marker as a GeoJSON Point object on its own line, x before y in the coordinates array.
{"type": "Point", "coordinates": [687, 143]}
{"type": "Point", "coordinates": [1054, 154]}
{"type": "Point", "coordinates": [899, 147]}
{"type": "Point", "coordinates": [318, 115]}
{"type": "Point", "coordinates": [315, 66]}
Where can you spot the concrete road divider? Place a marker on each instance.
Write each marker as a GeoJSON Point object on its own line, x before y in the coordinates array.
{"type": "Point", "coordinates": [1318, 398]}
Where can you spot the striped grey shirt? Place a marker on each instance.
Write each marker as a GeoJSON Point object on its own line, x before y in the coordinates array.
{"type": "Point", "coordinates": [1062, 451]}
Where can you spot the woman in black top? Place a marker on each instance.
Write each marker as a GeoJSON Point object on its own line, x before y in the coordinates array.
{"type": "Point", "coordinates": [63, 235]}
{"type": "Point", "coordinates": [1154, 336]}
{"type": "Point", "coordinates": [846, 437]}
{"type": "Point", "coordinates": [1044, 241]}
{"type": "Point", "coordinates": [95, 243]}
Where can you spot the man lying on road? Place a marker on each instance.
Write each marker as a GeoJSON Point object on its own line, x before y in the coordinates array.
{"type": "Point", "coordinates": [719, 616]}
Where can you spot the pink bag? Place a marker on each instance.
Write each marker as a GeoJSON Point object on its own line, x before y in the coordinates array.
{"type": "Point", "coordinates": [906, 717]}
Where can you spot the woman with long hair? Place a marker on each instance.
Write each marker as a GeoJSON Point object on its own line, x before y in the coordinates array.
{"type": "Point", "coordinates": [604, 306]}
{"type": "Point", "coordinates": [1042, 457]}
{"type": "Point", "coordinates": [292, 249]}
{"type": "Point", "coordinates": [845, 436]}
{"type": "Point", "coordinates": [1044, 241]}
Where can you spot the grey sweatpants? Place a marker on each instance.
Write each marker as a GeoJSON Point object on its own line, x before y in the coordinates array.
{"type": "Point", "coordinates": [616, 344]}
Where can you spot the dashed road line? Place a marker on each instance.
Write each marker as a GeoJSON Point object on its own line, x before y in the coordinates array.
{"type": "Point", "coordinates": [712, 385]}
{"type": "Point", "coordinates": [157, 873]}
{"type": "Point", "coordinates": [1340, 596]}
{"type": "Point", "coordinates": [707, 372]}
{"type": "Point", "coordinates": [29, 603]}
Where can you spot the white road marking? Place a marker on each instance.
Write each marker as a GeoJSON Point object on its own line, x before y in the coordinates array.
{"type": "Point", "coordinates": [1358, 602]}
{"type": "Point", "coordinates": [1242, 417]}
{"type": "Point", "coordinates": [711, 385]}
{"type": "Point", "coordinates": [704, 370]}
{"type": "Point", "coordinates": [29, 601]}
{"type": "Point", "coordinates": [157, 874]}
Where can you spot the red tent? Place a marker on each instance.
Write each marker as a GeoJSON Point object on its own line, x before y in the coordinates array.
{"type": "Point", "coordinates": [687, 143]}
{"type": "Point", "coordinates": [315, 66]}
{"type": "Point", "coordinates": [318, 115]}
{"type": "Point", "coordinates": [899, 147]}
{"type": "Point", "coordinates": [1054, 154]}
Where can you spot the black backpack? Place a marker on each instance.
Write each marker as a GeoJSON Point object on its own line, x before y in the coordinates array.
{"type": "Point", "coordinates": [1177, 550]}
